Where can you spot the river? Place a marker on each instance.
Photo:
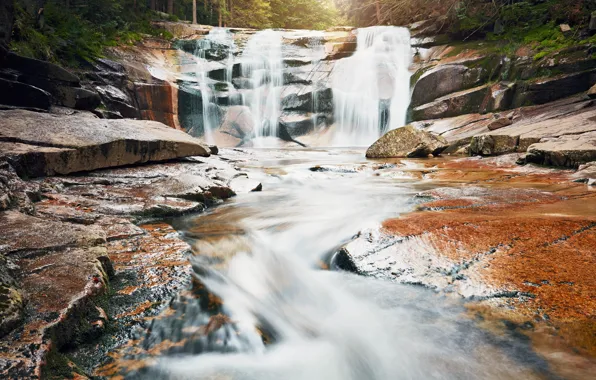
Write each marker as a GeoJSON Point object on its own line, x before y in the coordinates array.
{"type": "Point", "coordinates": [285, 316]}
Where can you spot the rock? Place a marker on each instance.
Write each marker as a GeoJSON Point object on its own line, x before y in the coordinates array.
{"type": "Point", "coordinates": [443, 80]}
{"type": "Point", "coordinates": [156, 102]}
{"type": "Point", "coordinates": [68, 144]}
{"type": "Point", "coordinates": [541, 91]}
{"type": "Point", "coordinates": [77, 98]}
{"type": "Point", "coordinates": [540, 124]}
{"type": "Point", "coordinates": [117, 101]}
{"type": "Point", "coordinates": [36, 68]}
{"type": "Point", "coordinates": [459, 103]}
{"type": "Point", "coordinates": [300, 124]}
{"type": "Point", "coordinates": [407, 142]}
{"type": "Point", "coordinates": [16, 193]}
{"type": "Point", "coordinates": [242, 184]}
{"type": "Point", "coordinates": [213, 149]}
{"type": "Point", "coordinates": [566, 151]}
{"type": "Point", "coordinates": [499, 123]}
{"type": "Point", "coordinates": [238, 122]}
{"type": "Point", "coordinates": [592, 92]}
{"type": "Point", "coordinates": [23, 95]}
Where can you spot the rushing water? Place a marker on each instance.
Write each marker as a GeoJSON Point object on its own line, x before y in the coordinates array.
{"type": "Point", "coordinates": [217, 39]}
{"type": "Point", "coordinates": [262, 63]}
{"type": "Point", "coordinates": [261, 254]}
{"type": "Point", "coordinates": [371, 89]}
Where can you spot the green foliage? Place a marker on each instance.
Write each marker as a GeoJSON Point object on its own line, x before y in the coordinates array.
{"type": "Point", "coordinates": [72, 35]}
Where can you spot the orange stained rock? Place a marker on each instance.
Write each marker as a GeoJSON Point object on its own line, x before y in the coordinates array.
{"type": "Point", "coordinates": [541, 243]}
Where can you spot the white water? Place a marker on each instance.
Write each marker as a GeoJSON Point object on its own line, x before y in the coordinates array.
{"type": "Point", "coordinates": [327, 325]}
{"type": "Point", "coordinates": [376, 74]}
{"type": "Point", "coordinates": [262, 63]}
{"type": "Point", "coordinates": [218, 37]}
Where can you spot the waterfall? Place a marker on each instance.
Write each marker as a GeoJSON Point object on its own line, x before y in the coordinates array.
{"type": "Point", "coordinates": [318, 53]}
{"type": "Point", "coordinates": [371, 89]}
{"type": "Point", "coordinates": [262, 64]}
{"type": "Point", "coordinates": [218, 42]}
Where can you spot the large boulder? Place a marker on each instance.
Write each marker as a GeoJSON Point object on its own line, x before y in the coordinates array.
{"type": "Point", "coordinates": [39, 144]}
{"type": "Point", "coordinates": [443, 80]}
{"type": "Point", "coordinates": [36, 68]}
{"type": "Point", "coordinates": [544, 90]}
{"type": "Point", "coordinates": [474, 100]}
{"type": "Point", "coordinates": [407, 142]}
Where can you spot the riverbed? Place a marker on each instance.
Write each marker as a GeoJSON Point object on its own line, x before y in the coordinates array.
{"type": "Point", "coordinates": [270, 300]}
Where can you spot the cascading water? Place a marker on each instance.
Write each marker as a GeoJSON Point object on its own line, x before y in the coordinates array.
{"type": "Point", "coordinates": [318, 53]}
{"type": "Point", "coordinates": [219, 41]}
{"type": "Point", "coordinates": [262, 64]}
{"type": "Point", "coordinates": [371, 89]}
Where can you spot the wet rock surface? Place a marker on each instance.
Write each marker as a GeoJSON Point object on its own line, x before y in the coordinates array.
{"type": "Point", "coordinates": [519, 241]}
{"type": "Point", "coordinates": [98, 269]}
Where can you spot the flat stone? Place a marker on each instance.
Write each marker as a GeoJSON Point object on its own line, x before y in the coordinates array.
{"type": "Point", "coordinates": [407, 142]}
{"type": "Point", "coordinates": [565, 151]}
{"type": "Point", "coordinates": [68, 144]}
{"type": "Point", "coordinates": [540, 124]}
{"type": "Point", "coordinates": [499, 123]}
{"type": "Point", "coordinates": [22, 233]}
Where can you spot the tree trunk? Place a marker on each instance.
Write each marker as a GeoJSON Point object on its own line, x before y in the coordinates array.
{"type": "Point", "coordinates": [231, 10]}
{"type": "Point", "coordinates": [171, 7]}
{"type": "Point", "coordinates": [153, 5]}
{"type": "Point", "coordinates": [378, 4]}
{"type": "Point", "coordinates": [194, 11]}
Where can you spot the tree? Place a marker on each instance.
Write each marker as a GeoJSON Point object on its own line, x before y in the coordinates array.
{"type": "Point", "coordinates": [171, 7]}
{"type": "Point", "coordinates": [194, 11]}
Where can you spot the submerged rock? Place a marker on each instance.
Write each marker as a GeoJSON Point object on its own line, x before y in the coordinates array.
{"type": "Point", "coordinates": [407, 142]}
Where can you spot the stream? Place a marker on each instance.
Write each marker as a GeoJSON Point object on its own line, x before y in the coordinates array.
{"type": "Point", "coordinates": [265, 255]}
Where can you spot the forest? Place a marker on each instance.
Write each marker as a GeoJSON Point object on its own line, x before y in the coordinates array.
{"type": "Point", "coordinates": [68, 31]}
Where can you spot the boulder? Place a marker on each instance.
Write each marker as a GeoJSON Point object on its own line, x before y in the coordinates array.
{"type": "Point", "coordinates": [238, 122]}
{"type": "Point", "coordinates": [299, 124]}
{"type": "Point", "coordinates": [459, 103]}
{"type": "Point", "coordinates": [77, 98]}
{"type": "Point", "coordinates": [23, 95]}
{"type": "Point", "coordinates": [438, 82]}
{"type": "Point", "coordinates": [407, 142]}
{"type": "Point", "coordinates": [568, 151]}
{"type": "Point", "coordinates": [499, 123]}
{"type": "Point", "coordinates": [544, 90]}
{"type": "Point", "coordinates": [67, 144]}
{"type": "Point", "coordinates": [36, 68]}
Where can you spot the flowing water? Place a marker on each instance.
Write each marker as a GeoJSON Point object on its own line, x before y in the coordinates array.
{"type": "Point", "coordinates": [218, 39]}
{"type": "Point", "coordinates": [371, 88]}
{"type": "Point", "coordinates": [262, 254]}
{"type": "Point", "coordinates": [262, 63]}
